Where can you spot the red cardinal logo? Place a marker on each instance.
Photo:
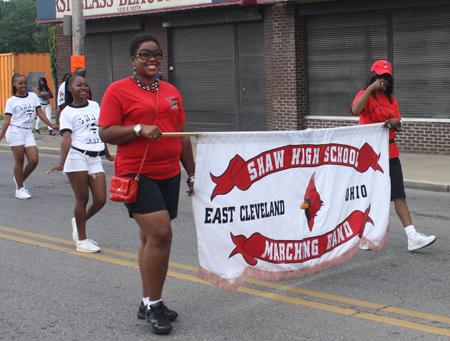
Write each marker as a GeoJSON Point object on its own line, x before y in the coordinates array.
{"type": "Point", "coordinates": [312, 203]}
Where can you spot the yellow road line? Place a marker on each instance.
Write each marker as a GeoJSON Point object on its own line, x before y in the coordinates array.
{"type": "Point", "coordinates": [266, 284]}
{"type": "Point", "coordinates": [404, 324]}
{"type": "Point", "coordinates": [350, 301]}
{"type": "Point", "coordinates": [104, 250]}
{"type": "Point", "coordinates": [317, 294]}
{"type": "Point", "coordinates": [299, 301]}
{"type": "Point", "coordinates": [251, 291]}
{"type": "Point", "coordinates": [354, 313]}
{"type": "Point", "coordinates": [65, 241]}
{"type": "Point", "coordinates": [418, 314]}
{"type": "Point", "coordinates": [70, 251]}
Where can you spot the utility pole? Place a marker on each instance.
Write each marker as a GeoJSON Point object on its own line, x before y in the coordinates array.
{"type": "Point", "coordinates": [77, 28]}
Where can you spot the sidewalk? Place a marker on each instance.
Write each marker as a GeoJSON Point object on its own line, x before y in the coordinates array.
{"type": "Point", "coordinates": [421, 171]}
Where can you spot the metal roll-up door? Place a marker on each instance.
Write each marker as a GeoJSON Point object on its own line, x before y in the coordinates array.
{"type": "Point", "coordinates": [97, 50]}
{"type": "Point", "coordinates": [204, 73]}
{"type": "Point", "coordinates": [421, 39]}
{"type": "Point", "coordinates": [212, 65]}
{"type": "Point", "coordinates": [341, 50]}
{"type": "Point", "coordinates": [121, 61]}
{"type": "Point", "coordinates": [108, 58]}
{"type": "Point", "coordinates": [252, 82]}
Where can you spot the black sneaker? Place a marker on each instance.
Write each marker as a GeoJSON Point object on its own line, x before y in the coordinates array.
{"type": "Point", "coordinates": [141, 311]}
{"type": "Point", "coordinates": [158, 319]}
{"type": "Point", "coordinates": [171, 314]}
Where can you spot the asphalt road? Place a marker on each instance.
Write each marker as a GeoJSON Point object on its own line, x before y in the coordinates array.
{"type": "Point", "coordinates": [48, 291]}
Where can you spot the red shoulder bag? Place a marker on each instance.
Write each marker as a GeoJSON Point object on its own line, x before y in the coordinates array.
{"type": "Point", "coordinates": [124, 189]}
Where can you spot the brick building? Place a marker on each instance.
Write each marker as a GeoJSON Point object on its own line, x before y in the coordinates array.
{"type": "Point", "coordinates": [277, 65]}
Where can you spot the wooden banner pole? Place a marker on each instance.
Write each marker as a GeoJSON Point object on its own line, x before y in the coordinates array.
{"type": "Point", "coordinates": [179, 134]}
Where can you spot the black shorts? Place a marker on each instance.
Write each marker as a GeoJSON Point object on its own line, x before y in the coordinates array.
{"type": "Point", "coordinates": [156, 195]}
{"type": "Point", "coordinates": [396, 174]}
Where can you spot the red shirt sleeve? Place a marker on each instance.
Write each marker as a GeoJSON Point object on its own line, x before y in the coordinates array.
{"type": "Point", "coordinates": [111, 111]}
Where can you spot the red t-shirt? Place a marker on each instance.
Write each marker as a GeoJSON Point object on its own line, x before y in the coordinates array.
{"type": "Point", "coordinates": [377, 111]}
{"type": "Point", "coordinates": [125, 103]}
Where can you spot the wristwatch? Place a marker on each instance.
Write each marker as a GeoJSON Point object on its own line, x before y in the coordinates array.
{"type": "Point", "coordinates": [137, 129]}
{"type": "Point", "coordinates": [191, 178]}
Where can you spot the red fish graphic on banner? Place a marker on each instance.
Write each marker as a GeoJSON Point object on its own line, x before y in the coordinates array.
{"type": "Point", "coordinates": [303, 202]}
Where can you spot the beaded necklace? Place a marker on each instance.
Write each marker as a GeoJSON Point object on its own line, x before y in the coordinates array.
{"type": "Point", "coordinates": [153, 88]}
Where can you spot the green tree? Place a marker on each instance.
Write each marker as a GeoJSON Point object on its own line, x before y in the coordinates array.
{"type": "Point", "coordinates": [19, 30]}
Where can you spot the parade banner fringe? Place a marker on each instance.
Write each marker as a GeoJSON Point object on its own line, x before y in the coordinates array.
{"type": "Point", "coordinates": [282, 205]}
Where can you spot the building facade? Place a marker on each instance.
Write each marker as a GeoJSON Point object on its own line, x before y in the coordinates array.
{"type": "Point", "coordinates": [278, 65]}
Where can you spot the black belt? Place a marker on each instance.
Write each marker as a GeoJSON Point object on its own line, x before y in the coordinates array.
{"type": "Point", "coordinates": [391, 141]}
{"type": "Point", "coordinates": [88, 153]}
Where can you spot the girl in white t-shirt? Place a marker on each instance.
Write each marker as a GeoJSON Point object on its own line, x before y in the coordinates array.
{"type": "Point", "coordinates": [20, 111]}
{"type": "Point", "coordinates": [61, 97]}
{"type": "Point", "coordinates": [45, 94]}
{"type": "Point", "coordinates": [81, 151]}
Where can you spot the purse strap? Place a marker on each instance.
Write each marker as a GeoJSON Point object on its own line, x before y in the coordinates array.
{"type": "Point", "coordinates": [142, 163]}
{"type": "Point", "coordinates": [148, 144]}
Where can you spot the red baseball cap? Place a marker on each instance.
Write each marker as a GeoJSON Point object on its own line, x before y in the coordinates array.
{"type": "Point", "coordinates": [381, 67]}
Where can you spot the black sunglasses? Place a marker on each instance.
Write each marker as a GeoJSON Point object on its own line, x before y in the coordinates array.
{"type": "Point", "coordinates": [147, 54]}
{"type": "Point", "coordinates": [384, 76]}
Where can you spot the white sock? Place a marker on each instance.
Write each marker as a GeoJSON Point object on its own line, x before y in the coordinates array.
{"type": "Point", "coordinates": [410, 231]}
{"type": "Point", "coordinates": [145, 300]}
{"type": "Point", "coordinates": [152, 303]}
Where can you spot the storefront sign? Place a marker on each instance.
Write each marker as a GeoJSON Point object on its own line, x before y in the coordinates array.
{"type": "Point", "coordinates": [98, 8]}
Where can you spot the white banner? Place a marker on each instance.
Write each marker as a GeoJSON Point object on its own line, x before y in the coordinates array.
{"type": "Point", "coordinates": [283, 205]}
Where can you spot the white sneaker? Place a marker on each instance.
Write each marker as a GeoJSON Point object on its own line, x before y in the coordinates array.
{"type": "Point", "coordinates": [22, 194]}
{"type": "Point", "coordinates": [24, 186]}
{"type": "Point", "coordinates": [87, 245]}
{"type": "Point", "coordinates": [420, 241]}
{"type": "Point", "coordinates": [74, 230]}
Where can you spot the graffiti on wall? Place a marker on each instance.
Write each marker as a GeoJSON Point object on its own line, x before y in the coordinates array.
{"type": "Point", "coordinates": [33, 79]}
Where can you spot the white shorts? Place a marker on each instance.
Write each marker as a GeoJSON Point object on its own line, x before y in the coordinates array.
{"type": "Point", "coordinates": [47, 109]}
{"type": "Point", "coordinates": [16, 136]}
{"type": "Point", "coordinates": [79, 162]}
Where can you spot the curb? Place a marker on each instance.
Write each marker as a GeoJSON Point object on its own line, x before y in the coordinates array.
{"type": "Point", "coordinates": [47, 150]}
{"type": "Point", "coordinates": [43, 150]}
{"type": "Point", "coordinates": [426, 186]}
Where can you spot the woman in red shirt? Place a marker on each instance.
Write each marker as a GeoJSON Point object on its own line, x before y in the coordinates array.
{"type": "Point", "coordinates": [376, 104]}
{"type": "Point", "coordinates": [134, 111]}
